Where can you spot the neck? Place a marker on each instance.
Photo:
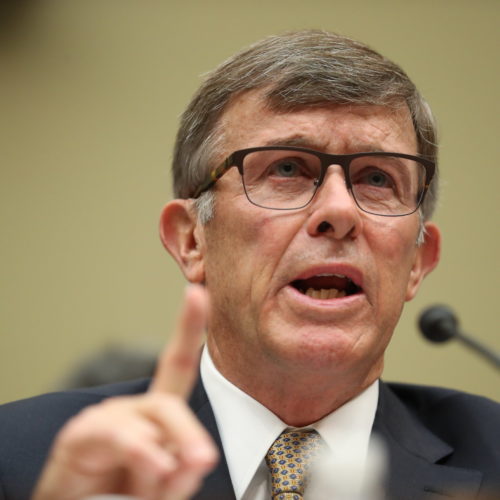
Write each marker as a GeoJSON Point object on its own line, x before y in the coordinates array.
{"type": "Point", "coordinates": [298, 397]}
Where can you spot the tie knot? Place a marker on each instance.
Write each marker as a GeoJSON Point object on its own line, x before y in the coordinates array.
{"type": "Point", "coordinates": [289, 459]}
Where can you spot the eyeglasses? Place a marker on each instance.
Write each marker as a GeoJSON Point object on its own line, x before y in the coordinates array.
{"type": "Point", "coordinates": [287, 178]}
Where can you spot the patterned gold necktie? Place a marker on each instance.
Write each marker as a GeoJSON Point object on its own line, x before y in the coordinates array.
{"type": "Point", "coordinates": [289, 459]}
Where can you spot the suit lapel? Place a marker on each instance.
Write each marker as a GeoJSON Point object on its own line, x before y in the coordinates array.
{"type": "Point", "coordinates": [217, 485]}
{"type": "Point", "coordinates": [418, 459]}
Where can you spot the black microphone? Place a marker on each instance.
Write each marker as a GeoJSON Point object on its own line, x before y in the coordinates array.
{"type": "Point", "coordinates": [439, 324]}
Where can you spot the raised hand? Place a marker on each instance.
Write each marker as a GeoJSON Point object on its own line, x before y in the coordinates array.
{"type": "Point", "coordinates": [150, 446]}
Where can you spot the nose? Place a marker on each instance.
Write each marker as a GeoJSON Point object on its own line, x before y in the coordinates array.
{"type": "Point", "coordinates": [333, 209]}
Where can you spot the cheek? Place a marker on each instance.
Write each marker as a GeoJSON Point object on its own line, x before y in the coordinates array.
{"type": "Point", "coordinates": [243, 249]}
{"type": "Point", "coordinates": [394, 249]}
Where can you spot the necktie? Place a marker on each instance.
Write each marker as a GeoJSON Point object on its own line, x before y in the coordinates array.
{"type": "Point", "coordinates": [289, 459]}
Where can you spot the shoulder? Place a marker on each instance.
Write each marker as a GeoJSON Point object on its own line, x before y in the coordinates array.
{"type": "Point", "coordinates": [448, 430]}
{"type": "Point", "coordinates": [28, 427]}
{"type": "Point", "coordinates": [433, 403]}
{"type": "Point", "coordinates": [53, 407]}
{"type": "Point", "coordinates": [468, 422]}
{"type": "Point", "coordinates": [46, 413]}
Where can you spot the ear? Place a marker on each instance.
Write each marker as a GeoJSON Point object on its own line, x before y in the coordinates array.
{"type": "Point", "coordinates": [182, 236]}
{"type": "Point", "coordinates": [426, 259]}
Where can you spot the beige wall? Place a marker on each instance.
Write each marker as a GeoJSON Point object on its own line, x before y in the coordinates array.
{"type": "Point", "coordinates": [91, 91]}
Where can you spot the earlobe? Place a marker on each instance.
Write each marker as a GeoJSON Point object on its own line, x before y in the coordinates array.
{"type": "Point", "coordinates": [181, 235]}
{"type": "Point", "coordinates": [426, 259]}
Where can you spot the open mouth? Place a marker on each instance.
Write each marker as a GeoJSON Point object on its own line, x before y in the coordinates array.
{"type": "Point", "coordinates": [327, 286]}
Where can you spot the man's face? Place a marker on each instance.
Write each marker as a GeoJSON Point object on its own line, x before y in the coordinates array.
{"type": "Point", "coordinates": [253, 258]}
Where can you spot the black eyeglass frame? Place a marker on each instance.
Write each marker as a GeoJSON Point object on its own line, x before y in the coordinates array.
{"type": "Point", "coordinates": [236, 160]}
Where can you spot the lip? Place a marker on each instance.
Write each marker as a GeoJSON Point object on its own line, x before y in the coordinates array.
{"type": "Point", "coordinates": [331, 312]}
{"type": "Point", "coordinates": [303, 302]}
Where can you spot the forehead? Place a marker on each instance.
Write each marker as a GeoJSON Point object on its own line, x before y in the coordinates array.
{"type": "Point", "coordinates": [249, 122]}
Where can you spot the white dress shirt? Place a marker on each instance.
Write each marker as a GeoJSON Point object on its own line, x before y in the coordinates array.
{"type": "Point", "coordinates": [247, 430]}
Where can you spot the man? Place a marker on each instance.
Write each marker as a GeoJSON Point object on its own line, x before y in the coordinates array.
{"type": "Point", "coordinates": [305, 179]}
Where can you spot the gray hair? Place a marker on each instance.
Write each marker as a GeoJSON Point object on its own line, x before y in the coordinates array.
{"type": "Point", "coordinates": [304, 68]}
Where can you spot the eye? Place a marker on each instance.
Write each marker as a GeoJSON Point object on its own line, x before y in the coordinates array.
{"type": "Point", "coordinates": [375, 178]}
{"type": "Point", "coordinates": [286, 168]}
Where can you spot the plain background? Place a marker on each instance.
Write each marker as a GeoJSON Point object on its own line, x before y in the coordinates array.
{"type": "Point", "coordinates": [91, 92]}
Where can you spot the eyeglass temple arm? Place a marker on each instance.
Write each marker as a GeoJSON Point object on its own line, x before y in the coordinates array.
{"type": "Point", "coordinates": [213, 176]}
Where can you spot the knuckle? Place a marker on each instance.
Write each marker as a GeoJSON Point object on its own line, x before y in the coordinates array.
{"type": "Point", "coordinates": [133, 449]}
{"type": "Point", "coordinates": [206, 461]}
{"type": "Point", "coordinates": [78, 427]}
{"type": "Point", "coordinates": [94, 423]}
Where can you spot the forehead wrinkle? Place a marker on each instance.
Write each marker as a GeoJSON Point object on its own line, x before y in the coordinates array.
{"type": "Point", "coordinates": [300, 128]}
{"type": "Point", "coordinates": [369, 141]}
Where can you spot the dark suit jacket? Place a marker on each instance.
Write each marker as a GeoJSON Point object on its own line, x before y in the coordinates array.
{"type": "Point", "coordinates": [439, 441]}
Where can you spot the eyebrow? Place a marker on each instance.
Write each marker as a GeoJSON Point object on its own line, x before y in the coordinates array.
{"type": "Point", "coordinates": [307, 142]}
{"type": "Point", "coordinates": [297, 140]}
{"type": "Point", "coordinates": [294, 140]}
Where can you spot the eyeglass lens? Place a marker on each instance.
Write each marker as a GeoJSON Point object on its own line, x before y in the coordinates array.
{"type": "Point", "coordinates": [288, 179]}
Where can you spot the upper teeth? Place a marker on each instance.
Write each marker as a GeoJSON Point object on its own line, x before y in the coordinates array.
{"type": "Point", "coordinates": [330, 293]}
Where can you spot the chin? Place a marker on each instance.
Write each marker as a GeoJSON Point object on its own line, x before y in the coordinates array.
{"type": "Point", "coordinates": [319, 350]}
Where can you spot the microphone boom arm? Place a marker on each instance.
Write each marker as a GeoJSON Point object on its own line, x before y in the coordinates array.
{"type": "Point", "coordinates": [477, 346]}
{"type": "Point", "coordinates": [440, 324]}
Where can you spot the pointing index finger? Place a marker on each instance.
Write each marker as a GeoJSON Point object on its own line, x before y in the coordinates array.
{"type": "Point", "coordinates": [178, 364]}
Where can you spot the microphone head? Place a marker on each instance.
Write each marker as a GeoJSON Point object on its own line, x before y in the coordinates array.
{"type": "Point", "coordinates": [438, 323]}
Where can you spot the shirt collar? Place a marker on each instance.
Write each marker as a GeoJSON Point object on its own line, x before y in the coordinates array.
{"type": "Point", "coordinates": [247, 428]}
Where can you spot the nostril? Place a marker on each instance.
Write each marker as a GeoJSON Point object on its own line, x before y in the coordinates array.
{"type": "Point", "coordinates": [324, 226]}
